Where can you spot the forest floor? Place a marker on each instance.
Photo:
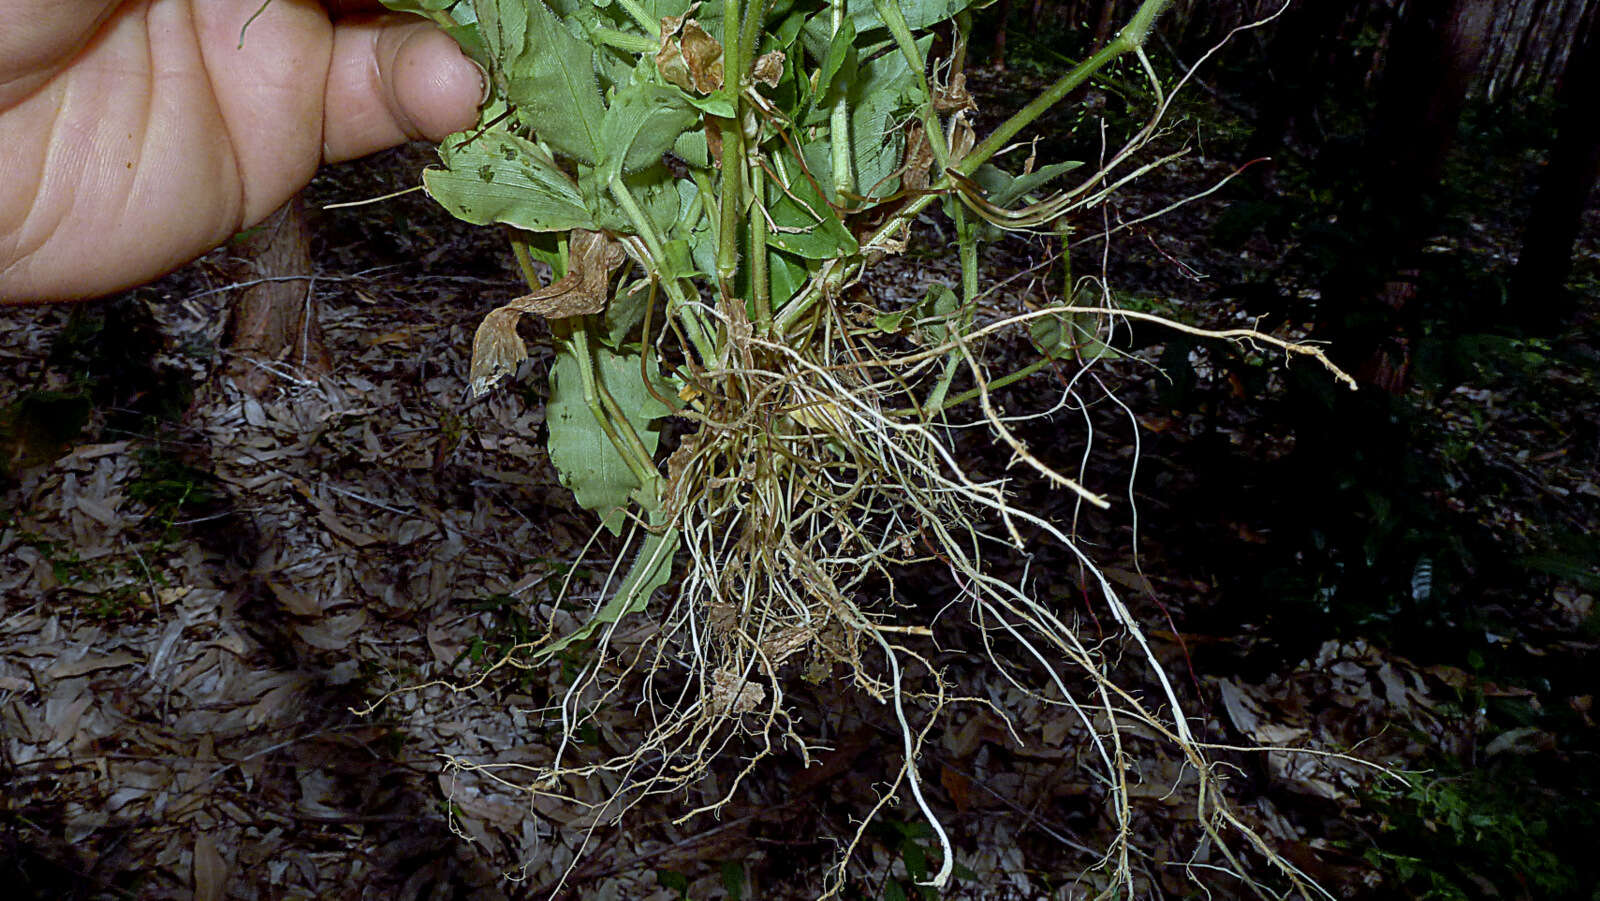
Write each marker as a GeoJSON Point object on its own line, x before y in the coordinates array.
{"type": "Point", "coordinates": [240, 635]}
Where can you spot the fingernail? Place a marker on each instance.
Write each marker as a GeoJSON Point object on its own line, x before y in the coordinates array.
{"type": "Point", "coordinates": [485, 87]}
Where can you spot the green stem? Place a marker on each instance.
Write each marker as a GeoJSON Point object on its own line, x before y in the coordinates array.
{"type": "Point", "coordinates": [732, 19]}
{"type": "Point", "coordinates": [755, 16]}
{"type": "Point", "coordinates": [971, 394]}
{"type": "Point", "coordinates": [626, 40]}
{"type": "Point", "coordinates": [677, 302]}
{"type": "Point", "coordinates": [967, 242]}
{"type": "Point", "coordinates": [1067, 292]}
{"type": "Point", "coordinates": [1131, 38]}
{"type": "Point", "coordinates": [732, 194]}
{"type": "Point", "coordinates": [637, 12]}
{"type": "Point", "coordinates": [730, 200]}
{"type": "Point", "coordinates": [608, 414]}
{"type": "Point", "coordinates": [760, 288]}
{"type": "Point", "coordinates": [844, 177]}
{"type": "Point", "coordinates": [519, 249]}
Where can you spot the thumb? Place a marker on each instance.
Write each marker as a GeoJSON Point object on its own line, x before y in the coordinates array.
{"type": "Point", "coordinates": [394, 79]}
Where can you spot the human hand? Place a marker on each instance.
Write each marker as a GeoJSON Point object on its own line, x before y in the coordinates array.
{"type": "Point", "coordinates": [136, 135]}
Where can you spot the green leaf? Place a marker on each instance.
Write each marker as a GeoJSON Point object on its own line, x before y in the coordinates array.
{"type": "Point", "coordinates": [678, 260]}
{"type": "Point", "coordinates": [715, 104]}
{"type": "Point", "coordinates": [673, 880]}
{"type": "Point", "coordinates": [419, 7]}
{"type": "Point", "coordinates": [471, 43]}
{"type": "Point", "coordinates": [804, 223]}
{"type": "Point", "coordinates": [626, 311]}
{"type": "Point", "coordinates": [916, 860]}
{"type": "Point", "coordinates": [1023, 185]}
{"type": "Point", "coordinates": [691, 148]}
{"type": "Point", "coordinates": [733, 880]}
{"type": "Point", "coordinates": [880, 98]}
{"type": "Point", "coordinates": [650, 570]}
{"type": "Point", "coordinates": [785, 276]}
{"type": "Point", "coordinates": [653, 188]}
{"type": "Point", "coordinates": [840, 58]}
{"type": "Point", "coordinates": [1052, 336]}
{"type": "Point", "coordinates": [661, 8]}
{"type": "Point", "coordinates": [584, 457]}
{"type": "Point", "coordinates": [889, 323]}
{"type": "Point", "coordinates": [1070, 335]}
{"type": "Point", "coordinates": [499, 177]}
{"type": "Point", "coordinates": [643, 123]}
{"type": "Point", "coordinates": [547, 73]}
{"type": "Point", "coordinates": [688, 236]}
{"type": "Point", "coordinates": [919, 13]}
{"type": "Point", "coordinates": [933, 313]}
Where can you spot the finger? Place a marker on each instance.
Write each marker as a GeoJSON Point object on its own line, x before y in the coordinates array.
{"type": "Point", "coordinates": [394, 79]}
{"type": "Point", "coordinates": [37, 37]}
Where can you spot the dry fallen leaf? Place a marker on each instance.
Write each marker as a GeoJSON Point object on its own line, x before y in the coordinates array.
{"type": "Point", "coordinates": [210, 870]}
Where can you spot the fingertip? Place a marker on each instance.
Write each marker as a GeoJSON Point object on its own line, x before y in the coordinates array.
{"type": "Point", "coordinates": [436, 86]}
{"type": "Point", "coordinates": [392, 79]}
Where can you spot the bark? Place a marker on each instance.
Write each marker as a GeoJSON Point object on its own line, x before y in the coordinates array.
{"type": "Point", "coordinates": [1107, 20]}
{"type": "Point", "coordinates": [1298, 59]}
{"type": "Point", "coordinates": [997, 52]}
{"type": "Point", "coordinates": [1436, 50]}
{"type": "Point", "coordinates": [273, 321]}
{"type": "Point", "coordinates": [1564, 190]}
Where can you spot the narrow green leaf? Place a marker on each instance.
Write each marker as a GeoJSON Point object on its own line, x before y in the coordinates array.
{"type": "Point", "coordinates": [881, 96]}
{"type": "Point", "coordinates": [1023, 185]}
{"type": "Point", "coordinates": [919, 13]}
{"type": "Point", "coordinates": [715, 104]}
{"type": "Point", "coordinates": [840, 58]}
{"type": "Point", "coordinates": [419, 7]}
{"type": "Point", "coordinates": [650, 570]}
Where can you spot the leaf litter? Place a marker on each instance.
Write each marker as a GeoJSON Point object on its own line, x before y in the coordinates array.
{"type": "Point", "coordinates": [205, 727]}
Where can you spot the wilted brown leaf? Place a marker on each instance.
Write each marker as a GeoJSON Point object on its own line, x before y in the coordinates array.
{"type": "Point", "coordinates": [769, 68]}
{"type": "Point", "coordinates": [497, 348]}
{"type": "Point", "coordinates": [689, 57]}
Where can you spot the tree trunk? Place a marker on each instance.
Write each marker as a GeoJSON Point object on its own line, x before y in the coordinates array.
{"type": "Point", "coordinates": [1435, 53]}
{"type": "Point", "coordinates": [997, 52]}
{"type": "Point", "coordinates": [1108, 19]}
{"type": "Point", "coordinates": [1297, 57]}
{"type": "Point", "coordinates": [273, 321]}
{"type": "Point", "coordinates": [1546, 260]}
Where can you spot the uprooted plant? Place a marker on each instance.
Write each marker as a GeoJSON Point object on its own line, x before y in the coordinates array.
{"type": "Point", "coordinates": [741, 164]}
